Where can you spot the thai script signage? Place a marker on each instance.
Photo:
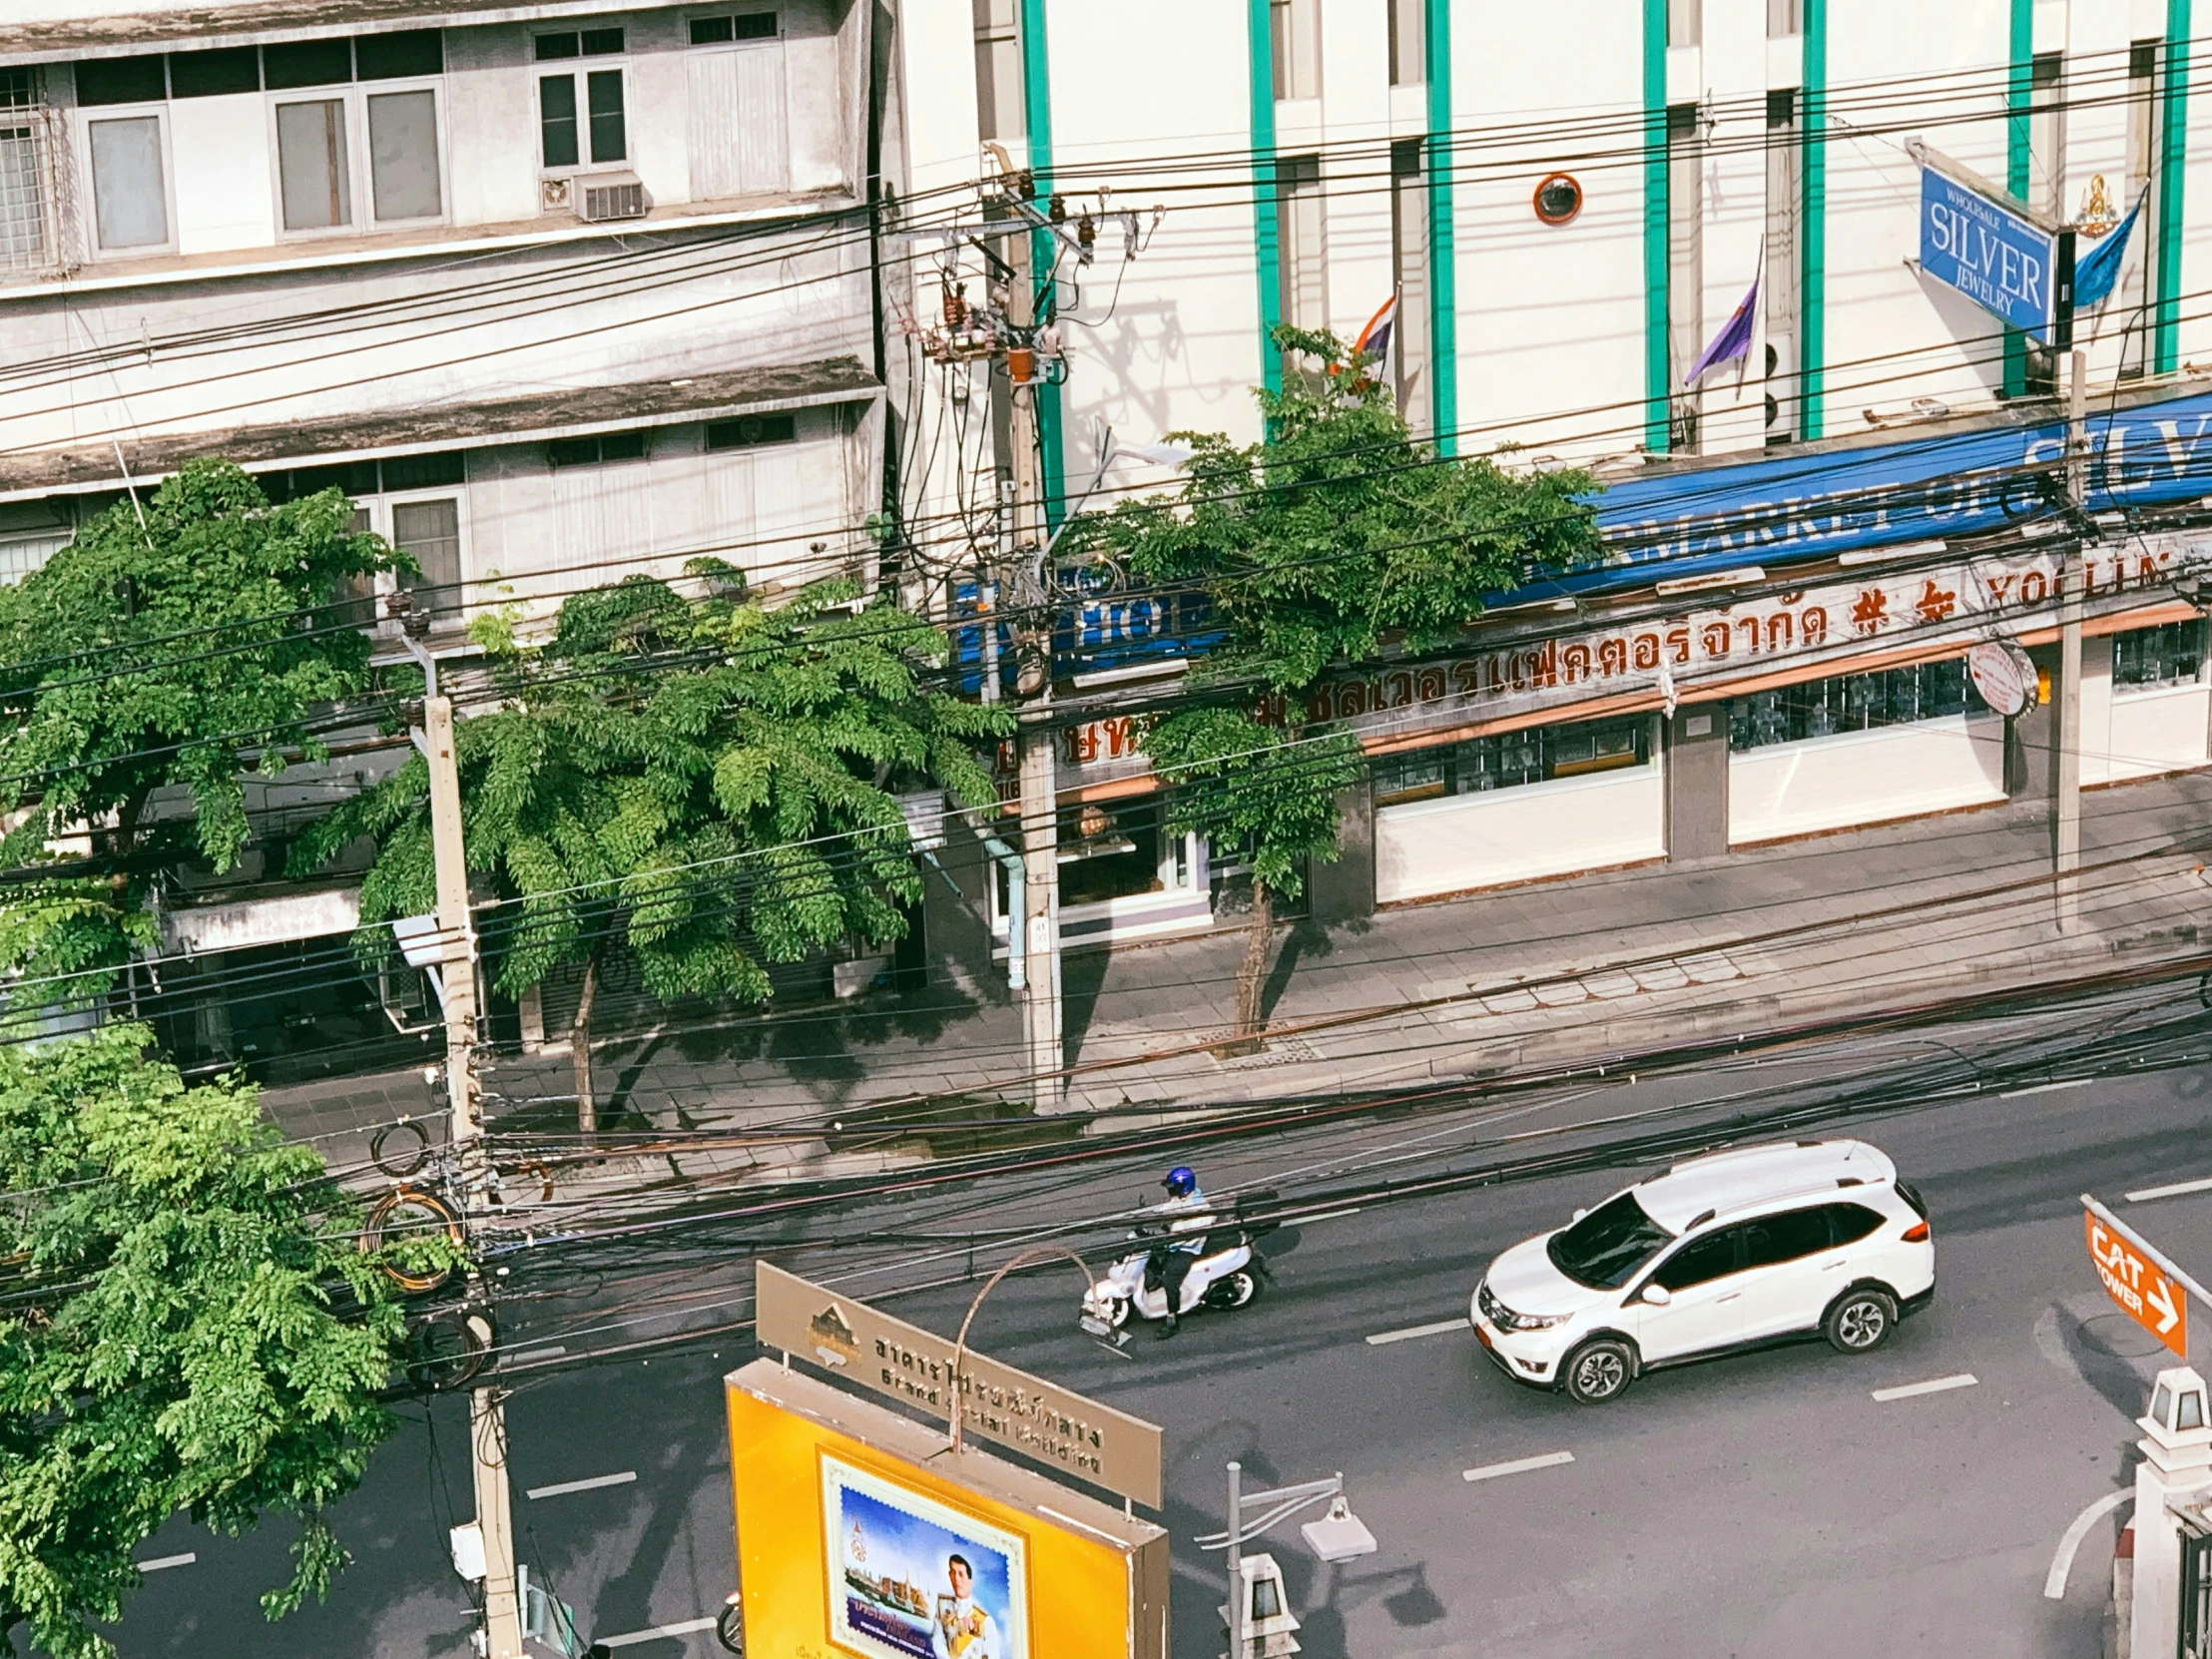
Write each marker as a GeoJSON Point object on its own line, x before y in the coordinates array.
{"type": "Point", "coordinates": [1950, 603]}
{"type": "Point", "coordinates": [1041, 1420]}
{"type": "Point", "coordinates": [1987, 246]}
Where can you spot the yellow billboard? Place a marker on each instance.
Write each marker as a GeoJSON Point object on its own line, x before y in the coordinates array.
{"type": "Point", "coordinates": [862, 1534]}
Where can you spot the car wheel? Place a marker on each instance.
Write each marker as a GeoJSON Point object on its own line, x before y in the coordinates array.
{"type": "Point", "coordinates": [1860, 1322]}
{"type": "Point", "coordinates": [1234, 1289]}
{"type": "Point", "coordinates": [1600, 1370]}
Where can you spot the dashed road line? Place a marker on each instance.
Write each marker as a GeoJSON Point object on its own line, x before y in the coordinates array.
{"type": "Point", "coordinates": [1941, 1384]}
{"type": "Point", "coordinates": [1411, 1332]}
{"type": "Point", "coordinates": [591, 1485]}
{"type": "Point", "coordinates": [161, 1564]}
{"type": "Point", "coordinates": [1519, 1466]}
{"type": "Point", "coordinates": [2174, 1191]}
{"type": "Point", "coordinates": [688, 1627]}
{"type": "Point", "coordinates": [2048, 1088]}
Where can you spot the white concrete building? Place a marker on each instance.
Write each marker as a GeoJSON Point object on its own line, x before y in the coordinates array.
{"type": "Point", "coordinates": [557, 291]}
{"type": "Point", "coordinates": [1569, 203]}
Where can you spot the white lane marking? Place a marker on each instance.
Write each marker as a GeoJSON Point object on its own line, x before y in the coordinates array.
{"type": "Point", "coordinates": [2047, 1088]}
{"type": "Point", "coordinates": [553, 1352]}
{"type": "Point", "coordinates": [2174, 1191]}
{"type": "Point", "coordinates": [1325, 1215]}
{"type": "Point", "coordinates": [2055, 1583]}
{"type": "Point", "coordinates": [1519, 1466]}
{"type": "Point", "coordinates": [1942, 1384]}
{"type": "Point", "coordinates": [1414, 1330]}
{"type": "Point", "coordinates": [593, 1485]}
{"type": "Point", "coordinates": [160, 1562]}
{"type": "Point", "coordinates": [687, 1628]}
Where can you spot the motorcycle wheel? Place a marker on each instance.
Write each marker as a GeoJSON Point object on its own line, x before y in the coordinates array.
{"type": "Point", "coordinates": [729, 1626]}
{"type": "Point", "coordinates": [1120, 1316]}
{"type": "Point", "coordinates": [1235, 1289]}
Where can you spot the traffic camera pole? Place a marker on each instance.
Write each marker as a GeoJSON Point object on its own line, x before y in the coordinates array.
{"type": "Point", "coordinates": [1039, 906]}
{"type": "Point", "coordinates": [487, 1417]}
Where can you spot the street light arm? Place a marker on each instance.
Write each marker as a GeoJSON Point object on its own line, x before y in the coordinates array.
{"type": "Point", "coordinates": [1288, 1500]}
{"type": "Point", "coordinates": [1038, 1252]}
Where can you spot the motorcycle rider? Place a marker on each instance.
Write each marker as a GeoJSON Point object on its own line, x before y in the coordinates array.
{"type": "Point", "coordinates": [1185, 1195]}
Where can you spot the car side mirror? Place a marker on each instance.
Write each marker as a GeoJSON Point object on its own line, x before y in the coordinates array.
{"type": "Point", "coordinates": [1579, 1213]}
{"type": "Point", "coordinates": [1656, 1293]}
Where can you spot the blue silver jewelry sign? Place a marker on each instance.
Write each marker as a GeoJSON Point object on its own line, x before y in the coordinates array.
{"type": "Point", "coordinates": [1989, 250]}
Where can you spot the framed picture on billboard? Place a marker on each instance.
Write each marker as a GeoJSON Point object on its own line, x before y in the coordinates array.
{"type": "Point", "coordinates": [911, 1577]}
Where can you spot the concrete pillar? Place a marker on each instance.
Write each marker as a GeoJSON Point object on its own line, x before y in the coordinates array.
{"type": "Point", "coordinates": [1696, 739]}
{"type": "Point", "coordinates": [1345, 891]}
{"type": "Point", "coordinates": [2175, 1474]}
{"type": "Point", "coordinates": [2030, 770]}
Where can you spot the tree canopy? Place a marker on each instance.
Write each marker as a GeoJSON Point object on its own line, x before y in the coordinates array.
{"type": "Point", "coordinates": [708, 778]}
{"type": "Point", "coordinates": [183, 649]}
{"type": "Point", "coordinates": [185, 1323]}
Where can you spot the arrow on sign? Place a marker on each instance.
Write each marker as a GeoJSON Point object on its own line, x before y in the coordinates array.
{"type": "Point", "coordinates": [2161, 1299]}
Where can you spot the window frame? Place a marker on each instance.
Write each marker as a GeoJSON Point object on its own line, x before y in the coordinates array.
{"type": "Point", "coordinates": [81, 154]}
{"type": "Point", "coordinates": [361, 188]}
{"type": "Point", "coordinates": [383, 518]}
{"type": "Point", "coordinates": [705, 14]}
{"type": "Point", "coordinates": [577, 71]}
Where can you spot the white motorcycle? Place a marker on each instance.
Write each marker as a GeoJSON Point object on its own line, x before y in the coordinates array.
{"type": "Point", "coordinates": [1226, 1271]}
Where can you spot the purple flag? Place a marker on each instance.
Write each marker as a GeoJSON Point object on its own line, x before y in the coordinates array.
{"type": "Point", "coordinates": [1733, 343]}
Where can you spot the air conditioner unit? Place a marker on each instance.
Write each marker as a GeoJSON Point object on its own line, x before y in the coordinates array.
{"type": "Point", "coordinates": [605, 195]}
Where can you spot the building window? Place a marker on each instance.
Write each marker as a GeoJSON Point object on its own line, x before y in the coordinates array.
{"type": "Point", "coordinates": [2046, 134]}
{"type": "Point", "coordinates": [308, 63]}
{"type": "Point", "coordinates": [311, 166]}
{"type": "Point", "coordinates": [103, 81]}
{"type": "Point", "coordinates": [1852, 703]}
{"type": "Point", "coordinates": [1409, 274]}
{"type": "Point", "coordinates": [1110, 853]}
{"type": "Point", "coordinates": [591, 119]}
{"type": "Point", "coordinates": [31, 532]}
{"type": "Point", "coordinates": [26, 229]}
{"type": "Point", "coordinates": [129, 193]}
{"type": "Point", "coordinates": [1784, 18]}
{"type": "Point", "coordinates": [404, 154]}
{"type": "Point", "coordinates": [720, 31]}
{"type": "Point", "coordinates": [2149, 659]}
{"type": "Point", "coordinates": [1000, 110]}
{"type": "Point", "coordinates": [430, 533]}
{"type": "Point", "coordinates": [441, 470]}
{"type": "Point", "coordinates": [751, 431]}
{"type": "Point", "coordinates": [1685, 267]}
{"type": "Point", "coordinates": [596, 451]}
{"type": "Point", "coordinates": [1408, 43]}
{"type": "Point", "coordinates": [1685, 22]}
{"type": "Point", "coordinates": [1785, 216]}
{"type": "Point", "coordinates": [1302, 254]}
{"type": "Point", "coordinates": [1535, 755]}
{"type": "Point", "coordinates": [222, 73]}
{"type": "Point", "coordinates": [2137, 287]}
{"type": "Point", "coordinates": [1294, 37]}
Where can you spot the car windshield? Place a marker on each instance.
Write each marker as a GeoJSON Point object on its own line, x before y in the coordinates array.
{"type": "Point", "coordinates": [1608, 1245]}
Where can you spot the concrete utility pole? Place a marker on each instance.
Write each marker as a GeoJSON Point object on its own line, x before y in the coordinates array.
{"type": "Point", "coordinates": [1040, 840]}
{"type": "Point", "coordinates": [487, 1417]}
{"type": "Point", "coordinates": [2066, 794]}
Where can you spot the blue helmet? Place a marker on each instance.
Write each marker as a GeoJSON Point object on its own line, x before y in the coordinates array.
{"type": "Point", "coordinates": [1181, 1183]}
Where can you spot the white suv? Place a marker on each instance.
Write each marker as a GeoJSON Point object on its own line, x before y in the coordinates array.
{"type": "Point", "coordinates": [1734, 1250]}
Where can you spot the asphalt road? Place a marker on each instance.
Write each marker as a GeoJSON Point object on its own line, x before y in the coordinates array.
{"type": "Point", "coordinates": [1763, 1505]}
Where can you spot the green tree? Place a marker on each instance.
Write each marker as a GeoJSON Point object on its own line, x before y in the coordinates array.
{"type": "Point", "coordinates": [1336, 538]}
{"type": "Point", "coordinates": [185, 1323]}
{"type": "Point", "coordinates": [177, 651]}
{"type": "Point", "coordinates": [705, 779]}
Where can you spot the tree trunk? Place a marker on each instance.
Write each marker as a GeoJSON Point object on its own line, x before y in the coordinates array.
{"type": "Point", "coordinates": [579, 1051]}
{"type": "Point", "coordinates": [1252, 974]}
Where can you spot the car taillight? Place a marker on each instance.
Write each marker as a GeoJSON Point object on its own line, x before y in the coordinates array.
{"type": "Point", "coordinates": [1917, 1233]}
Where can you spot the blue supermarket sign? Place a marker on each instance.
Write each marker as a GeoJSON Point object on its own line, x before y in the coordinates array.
{"type": "Point", "coordinates": [1990, 250]}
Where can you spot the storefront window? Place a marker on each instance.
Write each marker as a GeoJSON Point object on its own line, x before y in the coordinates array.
{"type": "Point", "coordinates": [1534, 755]}
{"type": "Point", "coordinates": [1110, 853]}
{"type": "Point", "coordinates": [2146, 658]}
{"type": "Point", "coordinates": [1851, 703]}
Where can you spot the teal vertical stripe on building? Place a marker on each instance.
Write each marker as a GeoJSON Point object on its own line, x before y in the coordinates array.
{"type": "Point", "coordinates": [2173, 130]}
{"type": "Point", "coordinates": [1036, 98]}
{"type": "Point", "coordinates": [2018, 159]}
{"type": "Point", "coordinates": [1265, 232]}
{"type": "Point", "coordinates": [1657, 391]}
{"type": "Point", "coordinates": [1813, 280]}
{"type": "Point", "coordinates": [1444, 240]}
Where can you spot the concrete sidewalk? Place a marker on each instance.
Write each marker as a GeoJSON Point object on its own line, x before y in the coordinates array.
{"type": "Point", "coordinates": [1571, 969]}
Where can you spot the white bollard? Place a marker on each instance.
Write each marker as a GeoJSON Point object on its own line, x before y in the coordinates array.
{"type": "Point", "coordinates": [2177, 1472]}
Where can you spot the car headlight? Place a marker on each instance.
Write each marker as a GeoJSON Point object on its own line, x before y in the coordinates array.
{"type": "Point", "coordinates": [1505, 1319]}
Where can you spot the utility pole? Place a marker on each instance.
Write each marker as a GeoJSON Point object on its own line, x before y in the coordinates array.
{"type": "Point", "coordinates": [1031, 586]}
{"type": "Point", "coordinates": [487, 1417]}
{"type": "Point", "coordinates": [2066, 796]}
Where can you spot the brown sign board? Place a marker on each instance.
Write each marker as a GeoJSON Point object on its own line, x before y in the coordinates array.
{"type": "Point", "coordinates": [870, 1349]}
